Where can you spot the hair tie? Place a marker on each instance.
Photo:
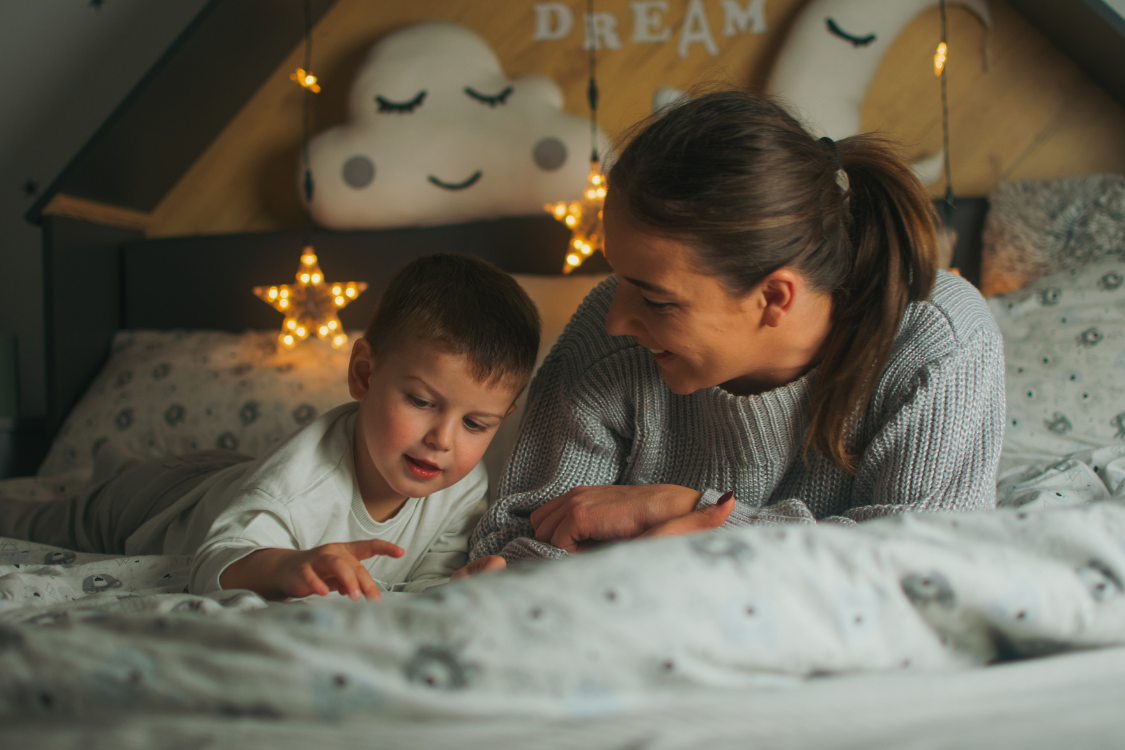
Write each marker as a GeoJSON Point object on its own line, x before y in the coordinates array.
{"type": "Point", "coordinates": [841, 175]}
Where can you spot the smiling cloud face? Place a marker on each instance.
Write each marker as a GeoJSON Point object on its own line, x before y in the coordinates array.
{"type": "Point", "coordinates": [438, 134]}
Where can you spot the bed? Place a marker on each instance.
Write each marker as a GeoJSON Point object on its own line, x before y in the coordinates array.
{"type": "Point", "coordinates": [1004, 628]}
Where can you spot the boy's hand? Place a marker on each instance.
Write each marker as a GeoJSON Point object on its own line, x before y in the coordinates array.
{"type": "Point", "coordinates": [486, 564]}
{"type": "Point", "coordinates": [281, 573]}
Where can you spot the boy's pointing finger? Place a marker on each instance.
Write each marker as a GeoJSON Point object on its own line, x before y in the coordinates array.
{"type": "Point", "coordinates": [370, 547]}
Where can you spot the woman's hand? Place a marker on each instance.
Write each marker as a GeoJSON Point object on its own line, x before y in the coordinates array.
{"type": "Point", "coordinates": [610, 513]}
{"type": "Point", "coordinates": [702, 519]}
{"type": "Point", "coordinates": [281, 573]}
{"type": "Point", "coordinates": [486, 564]}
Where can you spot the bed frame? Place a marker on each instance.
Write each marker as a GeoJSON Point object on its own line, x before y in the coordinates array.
{"type": "Point", "coordinates": [98, 280]}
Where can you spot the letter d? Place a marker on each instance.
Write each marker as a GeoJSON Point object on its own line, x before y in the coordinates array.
{"type": "Point", "coordinates": [552, 21]}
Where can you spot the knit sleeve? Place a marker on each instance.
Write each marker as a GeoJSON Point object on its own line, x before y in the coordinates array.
{"type": "Point", "coordinates": [940, 448]}
{"type": "Point", "coordinates": [576, 431]}
{"type": "Point", "coordinates": [562, 445]}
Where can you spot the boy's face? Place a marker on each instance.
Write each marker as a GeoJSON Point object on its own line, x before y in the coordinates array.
{"type": "Point", "coordinates": [424, 421]}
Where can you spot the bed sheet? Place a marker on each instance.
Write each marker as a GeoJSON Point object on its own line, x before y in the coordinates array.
{"type": "Point", "coordinates": [1070, 700]}
{"type": "Point", "coordinates": [626, 631]}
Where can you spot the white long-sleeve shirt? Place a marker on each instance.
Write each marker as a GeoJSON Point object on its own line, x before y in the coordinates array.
{"type": "Point", "coordinates": [303, 494]}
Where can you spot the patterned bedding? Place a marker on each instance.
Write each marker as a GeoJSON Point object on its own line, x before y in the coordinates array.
{"type": "Point", "coordinates": [628, 628]}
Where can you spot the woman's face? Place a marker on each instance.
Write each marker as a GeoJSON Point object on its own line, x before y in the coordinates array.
{"type": "Point", "coordinates": [699, 334]}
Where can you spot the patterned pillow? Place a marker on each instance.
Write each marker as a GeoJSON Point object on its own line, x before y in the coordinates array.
{"type": "Point", "coordinates": [1040, 227]}
{"type": "Point", "coordinates": [167, 392]}
{"type": "Point", "coordinates": [1064, 352]}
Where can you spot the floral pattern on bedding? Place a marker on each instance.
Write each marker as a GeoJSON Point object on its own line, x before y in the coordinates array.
{"type": "Point", "coordinates": [1064, 352]}
{"type": "Point", "coordinates": [171, 392]}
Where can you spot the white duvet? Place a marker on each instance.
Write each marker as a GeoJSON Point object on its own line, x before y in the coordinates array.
{"type": "Point", "coordinates": [632, 626]}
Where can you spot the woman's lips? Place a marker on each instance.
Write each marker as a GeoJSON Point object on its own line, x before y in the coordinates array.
{"type": "Point", "coordinates": [661, 356]}
{"type": "Point", "coordinates": [422, 469]}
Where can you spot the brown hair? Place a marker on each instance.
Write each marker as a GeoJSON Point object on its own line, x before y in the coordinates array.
{"type": "Point", "coordinates": [463, 305]}
{"type": "Point", "coordinates": [737, 178]}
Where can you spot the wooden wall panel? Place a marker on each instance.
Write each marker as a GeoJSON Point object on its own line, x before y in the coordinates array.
{"type": "Point", "coordinates": [1033, 114]}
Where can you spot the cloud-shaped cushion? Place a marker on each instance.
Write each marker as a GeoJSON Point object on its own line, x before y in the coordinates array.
{"type": "Point", "coordinates": [438, 134]}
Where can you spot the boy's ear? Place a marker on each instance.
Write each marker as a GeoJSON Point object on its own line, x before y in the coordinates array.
{"type": "Point", "coordinates": [511, 409]}
{"type": "Point", "coordinates": [360, 368]}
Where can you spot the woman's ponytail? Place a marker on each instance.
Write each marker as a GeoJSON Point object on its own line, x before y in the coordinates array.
{"type": "Point", "coordinates": [890, 232]}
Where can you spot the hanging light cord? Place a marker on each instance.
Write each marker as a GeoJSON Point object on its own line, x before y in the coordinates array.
{"type": "Point", "coordinates": [945, 125]}
{"type": "Point", "coordinates": [307, 126]}
{"type": "Point", "coordinates": [592, 90]}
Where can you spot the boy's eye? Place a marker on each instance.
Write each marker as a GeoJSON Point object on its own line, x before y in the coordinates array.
{"type": "Point", "coordinates": [474, 426]}
{"type": "Point", "coordinates": [421, 403]}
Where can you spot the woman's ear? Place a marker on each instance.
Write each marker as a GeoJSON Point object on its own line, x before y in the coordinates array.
{"type": "Point", "coordinates": [360, 368]}
{"type": "Point", "coordinates": [779, 291]}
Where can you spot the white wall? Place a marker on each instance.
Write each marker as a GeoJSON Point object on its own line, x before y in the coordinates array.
{"type": "Point", "coordinates": [65, 65]}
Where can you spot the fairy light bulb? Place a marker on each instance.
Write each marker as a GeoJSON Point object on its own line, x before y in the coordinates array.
{"type": "Point", "coordinates": [305, 79]}
{"type": "Point", "coordinates": [584, 219]}
{"type": "Point", "coordinates": [311, 305]}
{"type": "Point", "coordinates": [940, 57]}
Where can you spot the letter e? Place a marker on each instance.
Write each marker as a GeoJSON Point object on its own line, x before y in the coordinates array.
{"type": "Point", "coordinates": [648, 25]}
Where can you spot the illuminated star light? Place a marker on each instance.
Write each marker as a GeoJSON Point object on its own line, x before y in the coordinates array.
{"type": "Point", "coordinates": [306, 79]}
{"type": "Point", "coordinates": [584, 218]}
{"type": "Point", "coordinates": [311, 304]}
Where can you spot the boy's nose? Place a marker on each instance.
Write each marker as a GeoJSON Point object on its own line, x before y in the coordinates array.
{"type": "Point", "coordinates": [440, 436]}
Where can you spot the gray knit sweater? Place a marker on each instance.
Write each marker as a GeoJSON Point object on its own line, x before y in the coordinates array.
{"type": "Point", "coordinates": [599, 413]}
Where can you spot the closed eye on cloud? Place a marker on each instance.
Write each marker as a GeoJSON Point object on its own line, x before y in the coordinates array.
{"type": "Point", "coordinates": [386, 105]}
{"type": "Point", "coordinates": [857, 41]}
{"type": "Point", "coordinates": [492, 101]}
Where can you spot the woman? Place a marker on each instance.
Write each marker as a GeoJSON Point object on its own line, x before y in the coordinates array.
{"type": "Point", "coordinates": [776, 328]}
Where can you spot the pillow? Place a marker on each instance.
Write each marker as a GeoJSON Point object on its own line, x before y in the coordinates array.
{"type": "Point", "coordinates": [169, 392]}
{"type": "Point", "coordinates": [1040, 227]}
{"type": "Point", "coordinates": [1064, 355]}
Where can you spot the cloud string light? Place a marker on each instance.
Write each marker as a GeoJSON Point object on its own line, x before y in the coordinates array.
{"type": "Point", "coordinates": [584, 217]}
{"type": "Point", "coordinates": [310, 305]}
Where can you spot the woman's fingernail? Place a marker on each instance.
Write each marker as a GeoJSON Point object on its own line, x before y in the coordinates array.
{"type": "Point", "coordinates": [726, 497]}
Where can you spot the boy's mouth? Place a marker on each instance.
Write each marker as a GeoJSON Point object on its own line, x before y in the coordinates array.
{"type": "Point", "coordinates": [422, 469]}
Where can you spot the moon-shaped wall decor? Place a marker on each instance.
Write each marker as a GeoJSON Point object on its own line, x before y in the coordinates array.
{"type": "Point", "coordinates": [831, 54]}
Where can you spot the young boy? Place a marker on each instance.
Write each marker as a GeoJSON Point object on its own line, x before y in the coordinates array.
{"type": "Point", "coordinates": [381, 491]}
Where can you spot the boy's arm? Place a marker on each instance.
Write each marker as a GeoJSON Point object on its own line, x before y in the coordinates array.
{"type": "Point", "coordinates": [281, 573]}
{"type": "Point", "coordinates": [248, 525]}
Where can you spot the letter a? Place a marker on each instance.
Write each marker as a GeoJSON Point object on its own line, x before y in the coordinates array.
{"type": "Point", "coordinates": [696, 28]}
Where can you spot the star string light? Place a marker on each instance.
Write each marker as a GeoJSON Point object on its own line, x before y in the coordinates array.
{"type": "Point", "coordinates": [584, 217]}
{"type": "Point", "coordinates": [311, 304]}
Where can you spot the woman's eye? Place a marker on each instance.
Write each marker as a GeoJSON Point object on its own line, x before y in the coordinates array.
{"type": "Point", "coordinates": [421, 403]}
{"type": "Point", "coordinates": [386, 105]}
{"type": "Point", "coordinates": [656, 305]}
{"type": "Point", "coordinates": [491, 100]}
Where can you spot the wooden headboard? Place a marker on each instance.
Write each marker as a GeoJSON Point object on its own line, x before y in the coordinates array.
{"type": "Point", "coordinates": [99, 280]}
